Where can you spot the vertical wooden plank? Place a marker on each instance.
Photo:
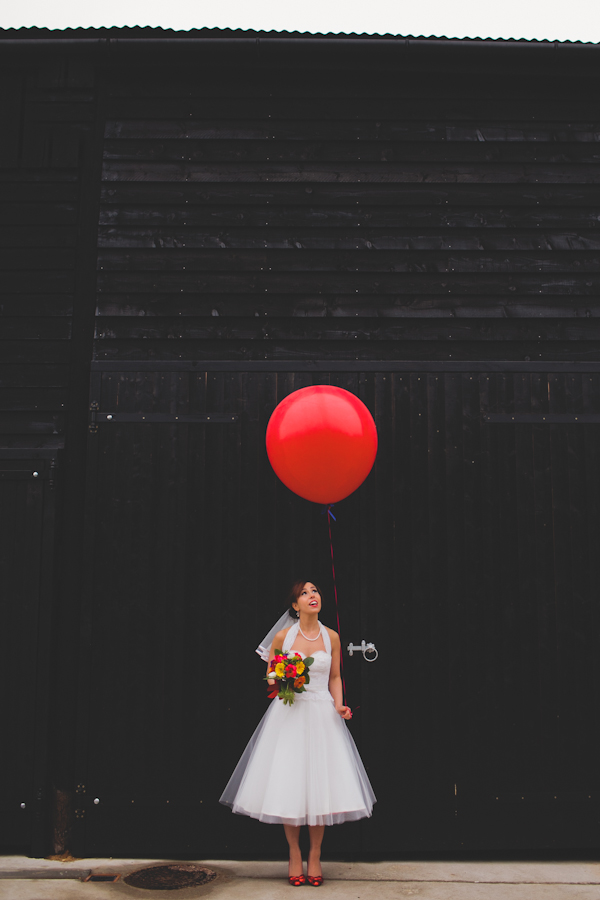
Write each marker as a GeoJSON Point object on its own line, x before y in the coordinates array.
{"type": "Point", "coordinates": [275, 523]}
{"type": "Point", "coordinates": [82, 764]}
{"type": "Point", "coordinates": [136, 490]}
{"type": "Point", "coordinates": [507, 597]}
{"type": "Point", "coordinates": [442, 622]}
{"type": "Point", "coordinates": [268, 522]}
{"type": "Point", "coordinates": [406, 793]}
{"type": "Point", "coordinates": [576, 725]}
{"type": "Point", "coordinates": [237, 582]}
{"type": "Point", "coordinates": [527, 693]}
{"type": "Point", "coordinates": [283, 547]}
{"type": "Point", "coordinates": [545, 580]}
{"type": "Point", "coordinates": [209, 606]}
{"type": "Point", "coordinates": [506, 566]}
{"type": "Point", "coordinates": [380, 604]}
{"type": "Point", "coordinates": [468, 623]}
{"type": "Point", "coordinates": [41, 840]}
{"type": "Point", "coordinates": [455, 536]}
{"type": "Point", "coordinates": [174, 596]}
{"type": "Point", "coordinates": [426, 610]}
{"type": "Point", "coordinates": [591, 526]}
{"type": "Point", "coordinates": [562, 562]}
{"type": "Point", "coordinates": [490, 541]}
{"type": "Point", "coordinates": [305, 532]}
{"type": "Point", "coordinates": [423, 682]}
{"type": "Point", "coordinates": [21, 540]}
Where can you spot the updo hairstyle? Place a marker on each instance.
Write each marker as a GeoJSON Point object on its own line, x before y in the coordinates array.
{"type": "Point", "coordinates": [295, 591]}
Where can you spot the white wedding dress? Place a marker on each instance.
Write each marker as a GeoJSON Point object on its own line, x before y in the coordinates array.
{"type": "Point", "coordinates": [301, 765]}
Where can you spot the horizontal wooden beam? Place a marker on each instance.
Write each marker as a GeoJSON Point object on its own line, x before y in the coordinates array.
{"type": "Point", "coordinates": [154, 418]}
{"type": "Point", "coordinates": [319, 365]}
{"type": "Point", "coordinates": [352, 173]}
{"type": "Point", "coordinates": [270, 148]}
{"type": "Point", "coordinates": [401, 260]}
{"type": "Point", "coordinates": [542, 418]}
{"type": "Point", "coordinates": [466, 232]}
{"type": "Point", "coordinates": [408, 131]}
{"type": "Point", "coordinates": [375, 283]}
{"type": "Point", "coordinates": [348, 330]}
{"type": "Point", "coordinates": [140, 104]}
{"type": "Point", "coordinates": [194, 198]}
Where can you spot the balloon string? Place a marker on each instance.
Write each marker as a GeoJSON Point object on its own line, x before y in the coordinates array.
{"type": "Point", "coordinates": [330, 516]}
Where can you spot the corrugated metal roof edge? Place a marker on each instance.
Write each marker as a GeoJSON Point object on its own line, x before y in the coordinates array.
{"type": "Point", "coordinates": [143, 32]}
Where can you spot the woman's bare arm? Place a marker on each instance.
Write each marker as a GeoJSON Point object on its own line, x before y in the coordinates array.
{"type": "Point", "coordinates": [335, 679]}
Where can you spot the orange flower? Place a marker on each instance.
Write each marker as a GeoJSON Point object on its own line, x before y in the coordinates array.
{"type": "Point", "coordinates": [299, 681]}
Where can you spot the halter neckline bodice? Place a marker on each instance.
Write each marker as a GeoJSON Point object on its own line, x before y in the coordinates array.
{"type": "Point", "coordinates": [292, 634]}
{"type": "Point", "coordinates": [318, 688]}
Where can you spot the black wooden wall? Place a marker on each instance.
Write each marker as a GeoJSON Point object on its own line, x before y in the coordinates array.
{"type": "Point", "coordinates": [468, 556]}
{"type": "Point", "coordinates": [47, 248]}
{"type": "Point", "coordinates": [436, 205]}
{"type": "Point", "coordinates": [238, 202]}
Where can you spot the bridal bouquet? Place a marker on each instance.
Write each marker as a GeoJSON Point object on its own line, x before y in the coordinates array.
{"type": "Point", "coordinates": [291, 672]}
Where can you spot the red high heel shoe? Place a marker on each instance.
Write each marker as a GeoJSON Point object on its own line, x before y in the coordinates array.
{"type": "Point", "coordinates": [315, 880]}
{"type": "Point", "coordinates": [296, 880]}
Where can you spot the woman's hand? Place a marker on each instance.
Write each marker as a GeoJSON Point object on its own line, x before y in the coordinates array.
{"type": "Point", "coordinates": [344, 711]}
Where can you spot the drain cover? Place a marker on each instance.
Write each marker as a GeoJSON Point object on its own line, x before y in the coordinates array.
{"type": "Point", "coordinates": [170, 878]}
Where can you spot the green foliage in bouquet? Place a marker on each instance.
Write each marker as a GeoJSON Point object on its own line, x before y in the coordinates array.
{"type": "Point", "coordinates": [291, 673]}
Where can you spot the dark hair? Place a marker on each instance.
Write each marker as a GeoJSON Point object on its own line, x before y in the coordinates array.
{"type": "Point", "coordinates": [294, 593]}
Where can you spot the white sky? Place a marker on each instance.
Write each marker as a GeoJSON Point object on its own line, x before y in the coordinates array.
{"type": "Point", "coordinates": [552, 19]}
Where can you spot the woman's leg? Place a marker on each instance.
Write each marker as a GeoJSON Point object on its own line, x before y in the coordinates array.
{"type": "Point", "coordinates": [292, 833]}
{"type": "Point", "coordinates": [315, 833]}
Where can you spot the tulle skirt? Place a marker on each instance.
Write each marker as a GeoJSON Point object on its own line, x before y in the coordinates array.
{"type": "Point", "coordinates": [301, 767]}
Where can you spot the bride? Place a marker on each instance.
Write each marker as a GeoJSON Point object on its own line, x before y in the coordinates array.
{"type": "Point", "coordinates": [301, 765]}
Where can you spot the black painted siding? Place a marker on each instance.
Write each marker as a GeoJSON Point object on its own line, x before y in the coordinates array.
{"type": "Point", "coordinates": [251, 191]}
{"type": "Point", "coordinates": [414, 216]}
{"type": "Point", "coordinates": [47, 102]}
{"type": "Point", "coordinates": [434, 208]}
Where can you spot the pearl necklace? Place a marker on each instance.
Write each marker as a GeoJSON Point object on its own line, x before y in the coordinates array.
{"type": "Point", "coordinates": [306, 636]}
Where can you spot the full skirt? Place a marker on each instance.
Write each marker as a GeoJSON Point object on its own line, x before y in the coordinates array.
{"type": "Point", "coordinates": [301, 767]}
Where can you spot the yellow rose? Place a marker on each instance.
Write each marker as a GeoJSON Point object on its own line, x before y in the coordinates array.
{"type": "Point", "coordinates": [279, 670]}
{"type": "Point", "coordinates": [300, 667]}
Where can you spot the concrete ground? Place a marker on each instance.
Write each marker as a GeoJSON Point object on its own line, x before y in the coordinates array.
{"type": "Point", "coordinates": [22, 878]}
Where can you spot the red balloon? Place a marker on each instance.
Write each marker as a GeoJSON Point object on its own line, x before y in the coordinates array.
{"type": "Point", "coordinates": [322, 442]}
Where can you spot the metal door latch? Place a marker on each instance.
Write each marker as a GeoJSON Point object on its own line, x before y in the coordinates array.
{"type": "Point", "coordinates": [364, 649]}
